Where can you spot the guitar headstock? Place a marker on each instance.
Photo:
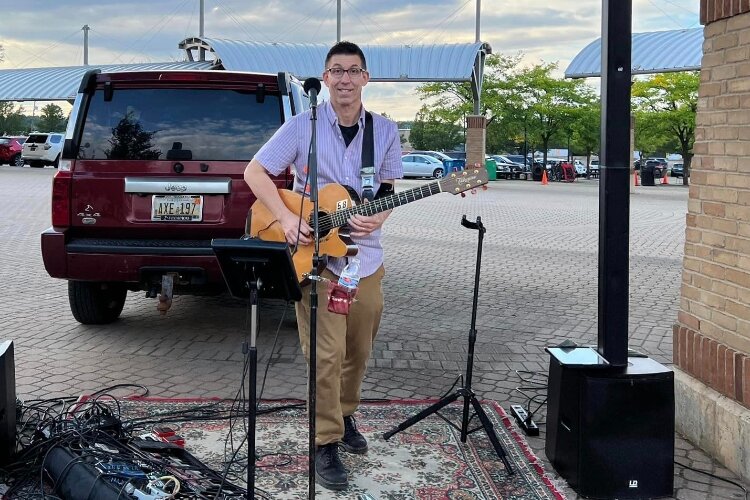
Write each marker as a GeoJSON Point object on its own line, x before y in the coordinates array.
{"type": "Point", "coordinates": [463, 180]}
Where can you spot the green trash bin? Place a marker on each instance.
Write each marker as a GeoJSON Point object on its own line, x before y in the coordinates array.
{"type": "Point", "coordinates": [491, 166]}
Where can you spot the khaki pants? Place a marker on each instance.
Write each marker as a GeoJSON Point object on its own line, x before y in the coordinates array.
{"type": "Point", "coordinates": [344, 346]}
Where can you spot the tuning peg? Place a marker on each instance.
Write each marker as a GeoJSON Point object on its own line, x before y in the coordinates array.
{"type": "Point", "coordinates": [463, 195]}
{"type": "Point", "coordinates": [484, 187]}
{"type": "Point", "coordinates": [473, 191]}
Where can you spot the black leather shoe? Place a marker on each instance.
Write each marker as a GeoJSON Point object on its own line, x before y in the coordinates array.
{"type": "Point", "coordinates": [329, 471]}
{"type": "Point", "coordinates": [353, 440]}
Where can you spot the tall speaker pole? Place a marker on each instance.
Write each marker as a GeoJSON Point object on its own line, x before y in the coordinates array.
{"type": "Point", "coordinates": [614, 186]}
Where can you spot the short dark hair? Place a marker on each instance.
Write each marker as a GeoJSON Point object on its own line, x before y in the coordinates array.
{"type": "Point", "coordinates": [346, 48]}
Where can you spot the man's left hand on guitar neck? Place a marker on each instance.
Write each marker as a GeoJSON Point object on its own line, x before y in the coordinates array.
{"type": "Point", "coordinates": [362, 225]}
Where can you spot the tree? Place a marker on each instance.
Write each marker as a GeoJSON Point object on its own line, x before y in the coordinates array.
{"type": "Point", "coordinates": [586, 129]}
{"type": "Point", "coordinates": [451, 102]}
{"type": "Point", "coordinates": [547, 104]}
{"type": "Point", "coordinates": [130, 142]}
{"type": "Point", "coordinates": [429, 132]}
{"type": "Point", "coordinates": [11, 119]}
{"type": "Point", "coordinates": [670, 101]}
{"type": "Point", "coordinates": [52, 119]}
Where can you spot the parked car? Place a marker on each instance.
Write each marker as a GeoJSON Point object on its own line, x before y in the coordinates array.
{"type": "Point", "coordinates": [518, 159]}
{"type": "Point", "coordinates": [505, 168]}
{"type": "Point", "coordinates": [659, 169]}
{"type": "Point", "coordinates": [678, 170]}
{"type": "Point", "coordinates": [580, 168]}
{"type": "Point", "coordinates": [42, 149]}
{"type": "Point", "coordinates": [594, 167]}
{"type": "Point", "coordinates": [142, 190]}
{"type": "Point", "coordinates": [419, 165]}
{"type": "Point", "coordinates": [10, 150]}
{"type": "Point", "coordinates": [449, 163]}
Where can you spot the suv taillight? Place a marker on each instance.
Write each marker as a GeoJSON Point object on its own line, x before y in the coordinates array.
{"type": "Point", "coordinates": [61, 198]}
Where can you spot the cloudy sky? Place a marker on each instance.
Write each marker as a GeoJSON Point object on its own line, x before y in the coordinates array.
{"type": "Point", "coordinates": [40, 33]}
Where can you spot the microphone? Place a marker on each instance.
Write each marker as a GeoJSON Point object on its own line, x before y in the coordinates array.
{"type": "Point", "coordinates": [312, 87]}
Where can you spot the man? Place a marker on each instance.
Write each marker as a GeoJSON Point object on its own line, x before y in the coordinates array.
{"type": "Point", "coordinates": [344, 343]}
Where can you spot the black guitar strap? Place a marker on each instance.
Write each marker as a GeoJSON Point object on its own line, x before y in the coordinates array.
{"type": "Point", "coordinates": [368, 160]}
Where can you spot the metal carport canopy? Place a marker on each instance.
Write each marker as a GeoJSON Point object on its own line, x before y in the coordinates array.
{"type": "Point", "coordinates": [403, 63]}
{"type": "Point", "coordinates": [396, 63]}
{"type": "Point", "coordinates": [655, 52]}
{"type": "Point", "coordinates": [61, 84]}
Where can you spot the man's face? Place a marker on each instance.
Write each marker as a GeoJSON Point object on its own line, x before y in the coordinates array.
{"type": "Point", "coordinates": [345, 90]}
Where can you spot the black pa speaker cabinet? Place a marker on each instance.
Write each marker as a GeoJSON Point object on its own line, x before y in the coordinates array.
{"type": "Point", "coordinates": [610, 432]}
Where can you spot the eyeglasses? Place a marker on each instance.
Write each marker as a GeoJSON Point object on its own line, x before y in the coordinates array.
{"type": "Point", "coordinates": [338, 73]}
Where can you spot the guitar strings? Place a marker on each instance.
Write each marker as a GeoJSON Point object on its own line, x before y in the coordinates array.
{"type": "Point", "coordinates": [339, 218]}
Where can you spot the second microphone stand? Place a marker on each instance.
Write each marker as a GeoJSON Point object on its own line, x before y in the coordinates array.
{"type": "Point", "coordinates": [469, 398]}
{"type": "Point", "coordinates": [312, 164]}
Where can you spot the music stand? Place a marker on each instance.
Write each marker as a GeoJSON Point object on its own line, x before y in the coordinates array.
{"type": "Point", "coordinates": [251, 266]}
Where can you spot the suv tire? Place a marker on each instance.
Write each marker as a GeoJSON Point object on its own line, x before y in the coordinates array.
{"type": "Point", "coordinates": [96, 303]}
{"type": "Point", "coordinates": [16, 161]}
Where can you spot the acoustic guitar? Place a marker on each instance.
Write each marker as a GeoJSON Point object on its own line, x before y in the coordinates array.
{"type": "Point", "coordinates": [336, 206]}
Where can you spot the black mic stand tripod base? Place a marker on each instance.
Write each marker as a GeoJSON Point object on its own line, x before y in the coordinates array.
{"type": "Point", "coordinates": [468, 395]}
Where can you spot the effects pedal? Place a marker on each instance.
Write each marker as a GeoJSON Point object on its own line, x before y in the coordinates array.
{"type": "Point", "coordinates": [524, 421]}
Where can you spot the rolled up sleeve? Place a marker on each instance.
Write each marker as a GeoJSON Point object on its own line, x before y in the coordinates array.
{"type": "Point", "coordinates": [281, 149]}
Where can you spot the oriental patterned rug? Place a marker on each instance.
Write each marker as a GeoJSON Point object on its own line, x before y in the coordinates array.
{"type": "Point", "coordinates": [427, 461]}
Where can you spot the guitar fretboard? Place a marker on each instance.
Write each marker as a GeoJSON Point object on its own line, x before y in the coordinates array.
{"type": "Point", "coordinates": [340, 217]}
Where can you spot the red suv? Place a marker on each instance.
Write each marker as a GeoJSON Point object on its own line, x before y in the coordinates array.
{"type": "Point", "coordinates": [10, 150]}
{"type": "Point", "coordinates": [151, 171]}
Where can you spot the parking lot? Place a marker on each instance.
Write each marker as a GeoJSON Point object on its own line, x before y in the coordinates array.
{"type": "Point", "coordinates": [538, 288]}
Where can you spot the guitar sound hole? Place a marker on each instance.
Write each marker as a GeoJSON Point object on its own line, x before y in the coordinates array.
{"type": "Point", "coordinates": [324, 226]}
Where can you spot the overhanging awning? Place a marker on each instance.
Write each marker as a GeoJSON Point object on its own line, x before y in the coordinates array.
{"type": "Point", "coordinates": [402, 63]}
{"type": "Point", "coordinates": [396, 63]}
{"type": "Point", "coordinates": [657, 52]}
{"type": "Point", "coordinates": [60, 84]}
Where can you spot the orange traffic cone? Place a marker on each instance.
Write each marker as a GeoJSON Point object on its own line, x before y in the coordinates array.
{"type": "Point", "coordinates": [664, 179]}
{"type": "Point", "coordinates": [635, 178]}
{"type": "Point", "coordinates": [544, 177]}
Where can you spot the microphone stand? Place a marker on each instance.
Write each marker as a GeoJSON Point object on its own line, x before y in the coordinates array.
{"type": "Point", "coordinates": [312, 165]}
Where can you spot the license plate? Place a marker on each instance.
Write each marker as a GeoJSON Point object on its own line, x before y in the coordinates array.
{"type": "Point", "coordinates": [179, 208]}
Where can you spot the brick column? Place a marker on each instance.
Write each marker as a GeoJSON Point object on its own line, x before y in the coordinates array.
{"type": "Point", "coordinates": [476, 137]}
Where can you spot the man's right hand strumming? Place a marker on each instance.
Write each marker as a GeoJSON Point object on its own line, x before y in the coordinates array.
{"type": "Point", "coordinates": [295, 229]}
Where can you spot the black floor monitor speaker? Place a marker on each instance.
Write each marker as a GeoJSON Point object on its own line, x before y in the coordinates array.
{"type": "Point", "coordinates": [610, 431]}
{"type": "Point", "coordinates": [7, 402]}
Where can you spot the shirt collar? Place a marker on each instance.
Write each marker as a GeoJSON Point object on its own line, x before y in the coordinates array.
{"type": "Point", "coordinates": [333, 119]}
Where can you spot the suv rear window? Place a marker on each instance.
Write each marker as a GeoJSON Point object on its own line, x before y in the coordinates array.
{"type": "Point", "coordinates": [198, 124]}
{"type": "Point", "coordinates": [37, 139]}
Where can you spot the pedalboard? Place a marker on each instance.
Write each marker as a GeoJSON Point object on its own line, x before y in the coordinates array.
{"type": "Point", "coordinates": [524, 421]}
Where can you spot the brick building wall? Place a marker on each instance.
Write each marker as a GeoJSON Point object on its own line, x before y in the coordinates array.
{"type": "Point", "coordinates": [712, 333]}
{"type": "Point", "coordinates": [712, 337]}
{"type": "Point", "coordinates": [713, 10]}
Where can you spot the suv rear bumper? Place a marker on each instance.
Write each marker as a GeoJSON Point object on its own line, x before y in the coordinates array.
{"type": "Point", "coordinates": [129, 261]}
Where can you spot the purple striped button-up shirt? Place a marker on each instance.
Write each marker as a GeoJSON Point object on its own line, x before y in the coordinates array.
{"type": "Point", "coordinates": [338, 164]}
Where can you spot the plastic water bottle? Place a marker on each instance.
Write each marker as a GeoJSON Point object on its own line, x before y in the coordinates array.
{"type": "Point", "coordinates": [350, 275]}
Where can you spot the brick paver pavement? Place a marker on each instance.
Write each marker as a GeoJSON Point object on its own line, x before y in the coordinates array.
{"type": "Point", "coordinates": [538, 288]}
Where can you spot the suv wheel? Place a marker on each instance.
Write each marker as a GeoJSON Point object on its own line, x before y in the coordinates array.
{"type": "Point", "coordinates": [438, 173]}
{"type": "Point", "coordinates": [17, 161]}
{"type": "Point", "coordinates": [96, 303]}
